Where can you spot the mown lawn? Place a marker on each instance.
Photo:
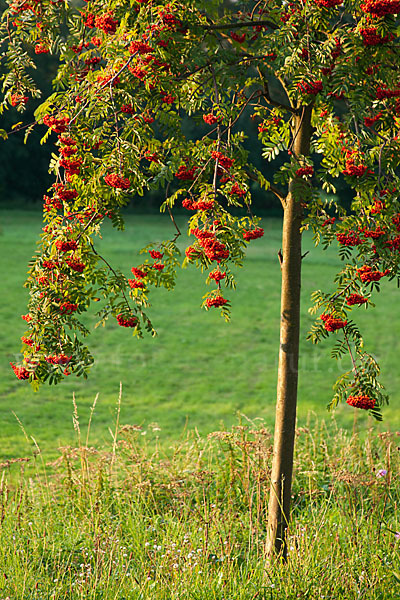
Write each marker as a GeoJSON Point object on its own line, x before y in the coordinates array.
{"type": "Point", "coordinates": [199, 371]}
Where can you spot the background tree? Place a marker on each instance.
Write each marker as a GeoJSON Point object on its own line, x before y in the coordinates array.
{"type": "Point", "coordinates": [129, 73]}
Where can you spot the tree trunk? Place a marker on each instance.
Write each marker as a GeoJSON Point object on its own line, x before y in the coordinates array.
{"type": "Point", "coordinates": [285, 419]}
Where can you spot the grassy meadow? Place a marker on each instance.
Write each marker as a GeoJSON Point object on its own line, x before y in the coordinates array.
{"type": "Point", "coordinates": [126, 523]}
{"type": "Point", "coordinates": [199, 371]}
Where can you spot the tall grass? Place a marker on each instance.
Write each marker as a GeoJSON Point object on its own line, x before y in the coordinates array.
{"type": "Point", "coordinates": [132, 521]}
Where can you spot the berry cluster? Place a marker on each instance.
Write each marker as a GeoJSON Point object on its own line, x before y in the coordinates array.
{"type": "Point", "coordinates": [361, 401]}
{"type": "Point", "coordinates": [311, 88]}
{"type": "Point", "coordinates": [115, 181]}
{"type": "Point", "coordinates": [332, 323]}
{"type": "Point", "coordinates": [354, 167]}
{"type": "Point", "coordinates": [328, 3]}
{"type": "Point", "coordinates": [380, 8]}
{"type": "Point", "coordinates": [217, 301]}
{"type": "Point", "coordinates": [371, 37]}
{"type": "Point", "coordinates": [198, 205]}
{"type": "Point", "coordinates": [367, 274]}
{"type": "Point", "coordinates": [253, 234]}
{"type": "Point", "coordinates": [356, 299]}
{"type": "Point", "coordinates": [185, 173]}
{"type": "Point", "coordinates": [125, 321]}
{"type": "Point", "coordinates": [305, 171]}
{"type": "Point", "coordinates": [211, 119]}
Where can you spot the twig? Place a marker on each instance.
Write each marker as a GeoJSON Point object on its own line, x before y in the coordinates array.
{"type": "Point", "coordinates": [239, 25]}
{"type": "Point", "coordinates": [112, 270]}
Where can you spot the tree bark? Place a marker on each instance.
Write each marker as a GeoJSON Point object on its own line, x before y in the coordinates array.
{"type": "Point", "coordinates": [286, 404]}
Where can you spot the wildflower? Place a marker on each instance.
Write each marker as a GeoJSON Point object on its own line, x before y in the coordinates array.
{"type": "Point", "coordinates": [381, 473]}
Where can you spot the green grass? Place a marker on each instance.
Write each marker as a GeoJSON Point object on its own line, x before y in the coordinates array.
{"type": "Point", "coordinates": [124, 523]}
{"type": "Point", "coordinates": [199, 370]}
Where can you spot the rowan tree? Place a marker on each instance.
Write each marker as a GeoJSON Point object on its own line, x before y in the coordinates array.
{"type": "Point", "coordinates": [321, 79]}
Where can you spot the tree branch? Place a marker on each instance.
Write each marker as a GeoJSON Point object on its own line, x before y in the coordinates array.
{"type": "Point", "coordinates": [271, 188]}
{"type": "Point", "coordinates": [278, 194]}
{"type": "Point", "coordinates": [266, 94]}
{"type": "Point", "coordinates": [238, 25]}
